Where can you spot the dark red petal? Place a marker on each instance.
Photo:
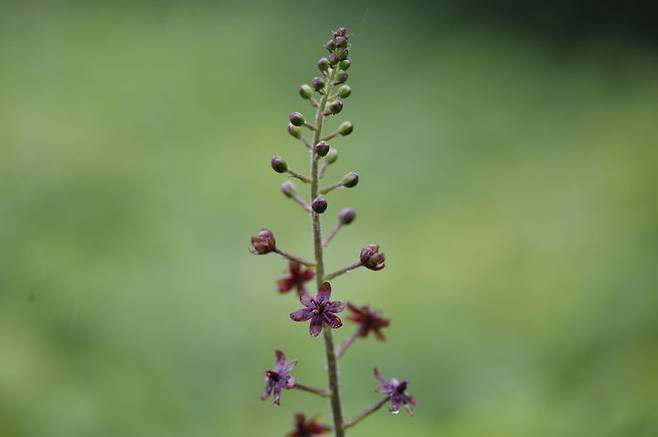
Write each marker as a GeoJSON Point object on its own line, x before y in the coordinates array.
{"type": "Point", "coordinates": [301, 315]}
{"type": "Point", "coordinates": [324, 293]}
{"type": "Point", "coordinates": [333, 320]}
{"type": "Point", "coordinates": [285, 285]}
{"type": "Point", "coordinates": [294, 268]}
{"type": "Point", "coordinates": [315, 328]}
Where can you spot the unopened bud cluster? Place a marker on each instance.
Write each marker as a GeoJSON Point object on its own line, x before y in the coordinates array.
{"type": "Point", "coordinates": [326, 94]}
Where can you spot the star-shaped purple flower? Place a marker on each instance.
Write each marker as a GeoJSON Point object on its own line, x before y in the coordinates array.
{"type": "Point", "coordinates": [319, 310]}
{"type": "Point", "coordinates": [278, 379]}
{"type": "Point", "coordinates": [396, 392]}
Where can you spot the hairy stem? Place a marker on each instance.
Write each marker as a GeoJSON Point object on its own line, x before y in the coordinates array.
{"type": "Point", "coordinates": [332, 369]}
{"type": "Point", "coordinates": [366, 413]}
{"type": "Point", "coordinates": [346, 343]}
{"type": "Point", "coordinates": [344, 270]}
{"type": "Point", "coordinates": [317, 391]}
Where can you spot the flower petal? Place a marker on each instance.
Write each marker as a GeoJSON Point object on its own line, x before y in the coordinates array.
{"type": "Point", "coordinates": [280, 357]}
{"type": "Point", "coordinates": [285, 285]}
{"type": "Point", "coordinates": [291, 365]}
{"type": "Point", "coordinates": [301, 315]}
{"type": "Point", "coordinates": [315, 328]}
{"type": "Point", "coordinates": [276, 397]}
{"type": "Point", "coordinates": [294, 268]}
{"type": "Point", "coordinates": [290, 382]}
{"type": "Point", "coordinates": [333, 320]}
{"type": "Point", "coordinates": [396, 404]}
{"type": "Point", "coordinates": [335, 307]}
{"type": "Point", "coordinates": [306, 300]}
{"type": "Point", "coordinates": [324, 293]}
{"type": "Point", "coordinates": [267, 392]}
{"type": "Point", "coordinates": [379, 376]}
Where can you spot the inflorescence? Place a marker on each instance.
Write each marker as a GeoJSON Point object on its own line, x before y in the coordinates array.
{"type": "Point", "coordinates": [326, 93]}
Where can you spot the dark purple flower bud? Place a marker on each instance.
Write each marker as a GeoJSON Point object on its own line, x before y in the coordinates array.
{"type": "Point", "coordinates": [318, 83]}
{"type": "Point", "coordinates": [305, 91]}
{"type": "Point", "coordinates": [345, 64]}
{"type": "Point", "coordinates": [296, 278]}
{"type": "Point", "coordinates": [333, 59]}
{"type": "Point", "coordinates": [331, 45]}
{"type": "Point", "coordinates": [346, 216]}
{"type": "Point", "coordinates": [396, 392]}
{"type": "Point", "coordinates": [345, 128]}
{"type": "Point", "coordinates": [296, 118]}
{"type": "Point", "coordinates": [335, 106]}
{"type": "Point", "coordinates": [279, 164]}
{"type": "Point", "coordinates": [342, 77]}
{"type": "Point", "coordinates": [263, 243]}
{"type": "Point", "coordinates": [350, 180]}
{"type": "Point", "coordinates": [319, 310]}
{"type": "Point", "coordinates": [294, 130]}
{"type": "Point", "coordinates": [322, 148]}
{"type": "Point", "coordinates": [307, 428]}
{"type": "Point", "coordinates": [341, 31]}
{"type": "Point", "coordinates": [288, 189]}
{"type": "Point", "coordinates": [340, 41]}
{"type": "Point", "coordinates": [319, 204]}
{"type": "Point", "coordinates": [369, 321]}
{"type": "Point", "coordinates": [332, 156]}
{"type": "Point", "coordinates": [323, 64]}
{"type": "Point", "coordinates": [372, 258]}
{"type": "Point", "coordinates": [344, 91]}
{"type": "Point", "coordinates": [278, 379]}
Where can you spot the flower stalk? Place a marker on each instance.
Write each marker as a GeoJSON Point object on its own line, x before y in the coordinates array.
{"type": "Point", "coordinates": [326, 94]}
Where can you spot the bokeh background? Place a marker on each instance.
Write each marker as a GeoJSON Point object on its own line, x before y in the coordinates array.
{"type": "Point", "coordinates": [508, 155]}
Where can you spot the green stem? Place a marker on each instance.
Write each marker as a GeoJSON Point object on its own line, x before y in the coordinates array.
{"type": "Point", "coordinates": [332, 368]}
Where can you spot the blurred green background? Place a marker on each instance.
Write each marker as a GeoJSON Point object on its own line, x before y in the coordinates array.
{"type": "Point", "coordinates": [510, 176]}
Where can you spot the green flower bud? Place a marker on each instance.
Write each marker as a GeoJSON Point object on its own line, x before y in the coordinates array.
{"type": "Point", "coordinates": [306, 91]}
{"type": "Point", "coordinates": [342, 77]}
{"type": "Point", "coordinates": [323, 64]}
{"type": "Point", "coordinates": [332, 156]}
{"type": "Point", "coordinates": [279, 164]}
{"type": "Point", "coordinates": [318, 83]}
{"type": "Point", "coordinates": [345, 64]}
{"type": "Point", "coordinates": [296, 118]}
{"type": "Point", "coordinates": [294, 130]}
{"type": "Point", "coordinates": [288, 189]}
{"type": "Point", "coordinates": [350, 180]}
{"type": "Point", "coordinates": [322, 148]}
{"type": "Point", "coordinates": [344, 91]}
{"type": "Point", "coordinates": [319, 204]}
{"type": "Point", "coordinates": [345, 128]}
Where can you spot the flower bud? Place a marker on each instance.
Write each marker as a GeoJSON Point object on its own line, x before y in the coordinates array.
{"type": "Point", "coordinates": [345, 128]}
{"type": "Point", "coordinates": [332, 156]}
{"type": "Point", "coordinates": [319, 204]}
{"type": "Point", "coordinates": [335, 106]}
{"type": "Point", "coordinates": [279, 164]}
{"type": "Point", "coordinates": [263, 243]}
{"type": "Point", "coordinates": [294, 130]}
{"type": "Point", "coordinates": [346, 216]}
{"type": "Point", "coordinates": [306, 92]}
{"type": "Point", "coordinates": [342, 77]}
{"type": "Point", "coordinates": [344, 91]}
{"type": "Point", "coordinates": [345, 64]}
{"type": "Point", "coordinates": [296, 118]}
{"type": "Point", "coordinates": [340, 41]}
{"type": "Point", "coordinates": [343, 54]}
{"type": "Point", "coordinates": [350, 180]}
{"type": "Point", "coordinates": [372, 258]}
{"type": "Point", "coordinates": [322, 148]}
{"type": "Point", "coordinates": [318, 83]}
{"type": "Point", "coordinates": [288, 189]}
{"type": "Point", "coordinates": [323, 64]}
{"type": "Point", "coordinates": [333, 59]}
{"type": "Point", "coordinates": [331, 45]}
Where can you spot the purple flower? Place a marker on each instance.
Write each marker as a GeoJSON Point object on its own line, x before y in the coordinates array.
{"type": "Point", "coordinates": [296, 278]}
{"type": "Point", "coordinates": [278, 379]}
{"type": "Point", "coordinates": [372, 258]}
{"type": "Point", "coordinates": [319, 310]}
{"type": "Point", "coordinates": [307, 428]}
{"type": "Point", "coordinates": [369, 320]}
{"type": "Point", "coordinates": [263, 243]}
{"type": "Point", "coordinates": [396, 392]}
